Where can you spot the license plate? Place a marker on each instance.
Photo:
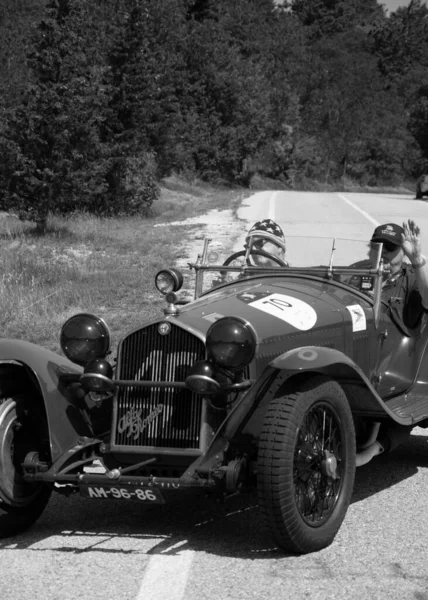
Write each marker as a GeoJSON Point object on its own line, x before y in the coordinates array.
{"type": "Point", "coordinates": [122, 492]}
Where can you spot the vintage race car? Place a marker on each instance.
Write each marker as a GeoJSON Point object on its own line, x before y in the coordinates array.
{"type": "Point", "coordinates": [283, 378]}
{"type": "Point", "coordinates": [422, 187]}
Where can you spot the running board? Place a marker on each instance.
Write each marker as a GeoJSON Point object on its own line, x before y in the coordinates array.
{"type": "Point", "coordinates": [410, 408]}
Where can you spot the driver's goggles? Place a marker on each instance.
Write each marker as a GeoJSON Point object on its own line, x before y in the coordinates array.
{"type": "Point", "coordinates": [387, 246]}
{"type": "Point", "coordinates": [390, 247]}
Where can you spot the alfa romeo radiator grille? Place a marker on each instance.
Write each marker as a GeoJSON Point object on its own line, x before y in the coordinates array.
{"type": "Point", "coordinates": [163, 417]}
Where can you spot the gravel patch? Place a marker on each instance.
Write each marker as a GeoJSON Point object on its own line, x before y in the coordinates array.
{"type": "Point", "coordinates": [226, 231]}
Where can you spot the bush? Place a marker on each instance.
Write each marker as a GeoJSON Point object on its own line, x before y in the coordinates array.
{"type": "Point", "coordinates": [132, 186]}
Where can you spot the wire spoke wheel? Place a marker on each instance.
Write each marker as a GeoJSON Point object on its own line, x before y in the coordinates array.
{"type": "Point", "coordinates": [306, 465]}
{"type": "Point", "coordinates": [318, 458]}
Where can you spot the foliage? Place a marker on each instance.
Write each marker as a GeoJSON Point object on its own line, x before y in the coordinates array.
{"type": "Point", "coordinates": [418, 120]}
{"type": "Point", "coordinates": [113, 96]}
{"type": "Point", "coordinates": [132, 186]}
{"type": "Point", "coordinates": [401, 42]}
{"type": "Point", "coordinates": [55, 127]}
{"type": "Point", "coordinates": [325, 18]}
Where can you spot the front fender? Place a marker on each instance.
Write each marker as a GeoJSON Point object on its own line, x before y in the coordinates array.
{"type": "Point", "coordinates": [51, 373]}
{"type": "Point", "coordinates": [362, 396]}
{"type": "Point", "coordinates": [248, 414]}
{"type": "Point", "coordinates": [308, 360]}
{"type": "Point", "coordinates": [318, 359]}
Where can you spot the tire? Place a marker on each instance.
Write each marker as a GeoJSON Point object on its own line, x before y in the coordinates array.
{"type": "Point", "coordinates": [21, 502]}
{"type": "Point", "coordinates": [305, 479]}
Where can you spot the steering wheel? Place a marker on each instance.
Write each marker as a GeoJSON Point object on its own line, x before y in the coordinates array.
{"type": "Point", "coordinates": [240, 253]}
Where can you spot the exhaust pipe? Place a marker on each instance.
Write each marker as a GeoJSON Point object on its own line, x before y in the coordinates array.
{"type": "Point", "coordinates": [362, 458]}
{"type": "Point", "coordinates": [393, 436]}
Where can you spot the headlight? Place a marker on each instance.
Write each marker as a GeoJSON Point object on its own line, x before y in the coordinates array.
{"type": "Point", "coordinates": [168, 280]}
{"type": "Point", "coordinates": [231, 342]}
{"type": "Point", "coordinates": [85, 337]}
{"type": "Point", "coordinates": [201, 378]}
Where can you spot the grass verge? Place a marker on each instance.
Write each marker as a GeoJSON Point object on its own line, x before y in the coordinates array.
{"type": "Point", "coordinates": [98, 265]}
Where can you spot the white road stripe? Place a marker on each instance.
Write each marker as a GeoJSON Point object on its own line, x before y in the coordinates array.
{"type": "Point", "coordinates": [271, 213]}
{"type": "Point", "coordinates": [360, 210]}
{"type": "Point", "coordinates": [166, 576]}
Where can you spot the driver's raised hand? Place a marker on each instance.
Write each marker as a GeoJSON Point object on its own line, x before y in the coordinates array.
{"type": "Point", "coordinates": [411, 241]}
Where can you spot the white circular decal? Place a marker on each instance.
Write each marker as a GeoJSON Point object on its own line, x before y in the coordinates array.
{"type": "Point", "coordinates": [297, 313]}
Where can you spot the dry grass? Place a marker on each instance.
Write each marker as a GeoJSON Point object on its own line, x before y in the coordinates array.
{"type": "Point", "coordinates": [89, 264]}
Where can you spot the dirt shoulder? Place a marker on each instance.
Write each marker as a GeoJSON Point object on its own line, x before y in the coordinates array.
{"type": "Point", "coordinates": [225, 230]}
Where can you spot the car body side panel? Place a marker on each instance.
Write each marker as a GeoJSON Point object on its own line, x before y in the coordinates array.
{"type": "Point", "coordinates": [65, 420]}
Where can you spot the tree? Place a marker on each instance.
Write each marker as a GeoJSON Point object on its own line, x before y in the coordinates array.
{"type": "Point", "coordinates": [418, 124]}
{"type": "Point", "coordinates": [236, 121]}
{"type": "Point", "coordinates": [61, 165]}
{"type": "Point", "coordinates": [17, 20]}
{"type": "Point", "coordinates": [329, 17]}
{"type": "Point", "coordinates": [146, 76]}
{"type": "Point", "coordinates": [55, 127]}
{"type": "Point", "coordinates": [401, 48]}
{"type": "Point", "coordinates": [401, 42]}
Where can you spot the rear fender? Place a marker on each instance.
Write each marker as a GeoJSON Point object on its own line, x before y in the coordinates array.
{"type": "Point", "coordinates": [30, 369]}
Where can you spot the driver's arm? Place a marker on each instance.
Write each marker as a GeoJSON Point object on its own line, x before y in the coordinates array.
{"type": "Point", "coordinates": [412, 247]}
{"type": "Point", "coordinates": [420, 266]}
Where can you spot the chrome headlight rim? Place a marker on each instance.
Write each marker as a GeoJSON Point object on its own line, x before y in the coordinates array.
{"type": "Point", "coordinates": [168, 280]}
{"type": "Point", "coordinates": [202, 378]}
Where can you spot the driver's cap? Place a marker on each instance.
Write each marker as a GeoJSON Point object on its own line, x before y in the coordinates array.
{"type": "Point", "coordinates": [390, 232]}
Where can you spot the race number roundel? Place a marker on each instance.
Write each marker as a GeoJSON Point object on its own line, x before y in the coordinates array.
{"type": "Point", "coordinates": [297, 313]}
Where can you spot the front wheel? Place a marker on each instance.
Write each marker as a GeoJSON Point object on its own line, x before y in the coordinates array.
{"type": "Point", "coordinates": [21, 502]}
{"type": "Point", "coordinates": [306, 465]}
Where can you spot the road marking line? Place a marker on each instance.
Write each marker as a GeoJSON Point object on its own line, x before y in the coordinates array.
{"type": "Point", "coordinates": [166, 576]}
{"type": "Point", "coordinates": [360, 210]}
{"type": "Point", "coordinates": [271, 212]}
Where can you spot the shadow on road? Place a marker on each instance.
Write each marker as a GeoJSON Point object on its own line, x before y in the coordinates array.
{"type": "Point", "coordinates": [191, 520]}
{"type": "Point", "coordinates": [387, 470]}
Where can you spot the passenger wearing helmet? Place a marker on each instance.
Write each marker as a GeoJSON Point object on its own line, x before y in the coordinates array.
{"type": "Point", "coordinates": [267, 236]}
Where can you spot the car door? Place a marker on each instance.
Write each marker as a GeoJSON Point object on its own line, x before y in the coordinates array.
{"type": "Point", "coordinates": [399, 357]}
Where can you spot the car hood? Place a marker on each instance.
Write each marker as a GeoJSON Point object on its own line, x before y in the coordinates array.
{"type": "Point", "coordinates": [277, 307]}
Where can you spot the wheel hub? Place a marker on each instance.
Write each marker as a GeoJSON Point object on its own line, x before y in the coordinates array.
{"type": "Point", "coordinates": [329, 465]}
{"type": "Point", "coordinates": [317, 475]}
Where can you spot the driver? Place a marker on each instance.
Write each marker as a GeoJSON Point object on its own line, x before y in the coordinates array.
{"type": "Point", "coordinates": [267, 236]}
{"type": "Point", "coordinates": [405, 287]}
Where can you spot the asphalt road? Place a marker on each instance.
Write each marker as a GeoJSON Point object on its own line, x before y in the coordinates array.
{"type": "Point", "coordinates": [195, 549]}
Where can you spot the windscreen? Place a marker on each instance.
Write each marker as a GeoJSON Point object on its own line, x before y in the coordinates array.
{"type": "Point", "coordinates": [342, 260]}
